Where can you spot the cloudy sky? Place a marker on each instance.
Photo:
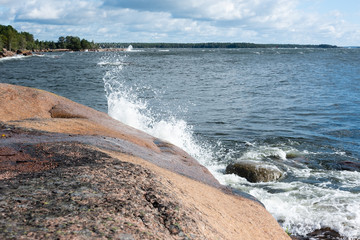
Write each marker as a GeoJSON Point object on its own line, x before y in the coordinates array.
{"type": "Point", "coordinates": [259, 21]}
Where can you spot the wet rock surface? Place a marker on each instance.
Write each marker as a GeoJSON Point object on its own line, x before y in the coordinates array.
{"type": "Point", "coordinates": [254, 172]}
{"type": "Point", "coordinates": [321, 234]}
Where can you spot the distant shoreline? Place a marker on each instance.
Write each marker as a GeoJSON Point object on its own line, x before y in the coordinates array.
{"type": "Point", "coordinates": [210, 45]}
{"type": "Point", "coordinates": [6, 54]}
{"type": "Point", "coordinates": [119, 47]}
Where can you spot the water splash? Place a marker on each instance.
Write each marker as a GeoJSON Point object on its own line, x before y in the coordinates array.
{"type": "Point", "coordinates": [16, 57]}
{"type": "Point", "coordinates": [125, 105]}
{"type": "Point", "coordinates": [301, 205]}
{"type": "Point", "coordinates": [129, 48]}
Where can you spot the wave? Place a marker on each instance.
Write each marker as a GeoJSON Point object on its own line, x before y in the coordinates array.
{"type": "Point", "coordinates": [109, 60]}
{"type": "Point", "coordinates": [304, 207]}
{"type": "Point", "coordinates": [51, 55]}
{"type": "Point", "coordinates": [22, 57]}
{"type": "Point", "coordinates": [16, 57]}
{"type": "Point", "coordinates": [130, 48]}
{"type": "Point", "coordinates": [302, 202]}
{"type": "Point", "coordinates": [125, 106]}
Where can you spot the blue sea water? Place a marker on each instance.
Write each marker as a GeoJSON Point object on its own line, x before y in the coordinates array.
{"type": "Point", "coordinates": [294, 109]}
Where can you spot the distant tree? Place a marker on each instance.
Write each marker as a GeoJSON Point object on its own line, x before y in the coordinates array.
{"type": "Point", "coordinates": [8, 35]}
{"type": "Point", "coordinates": [85, 44]}
{"type": "Point", "coordinates": [94, 45]}
{"type": "Point", "coordinates": [73, 43]}
{"type": "Point", "coordinates": [41, 45]}
{"type": "Point", "coordinates": [21, 42]}
{"type": "Point", "coordinates": [52, 45]}
{"type": "Point", "coordinates": [29, 39]}
{"type": "Point", "coordinates": [61, 43]}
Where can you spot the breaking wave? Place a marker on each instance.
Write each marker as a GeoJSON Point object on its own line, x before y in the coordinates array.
{"type": "Point", "coordinates": [301, 203]}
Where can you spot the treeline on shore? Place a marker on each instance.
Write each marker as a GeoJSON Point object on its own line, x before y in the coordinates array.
{"type": "Point", "coordinates": [12, 40]}
{"type": "Point", "coordinates": [210, 45]}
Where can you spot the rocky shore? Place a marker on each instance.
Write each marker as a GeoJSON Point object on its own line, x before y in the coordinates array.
{"type": "Point", "coordinates": [70, 172]}
{"type": "Point", "coordinates": [6, 53]}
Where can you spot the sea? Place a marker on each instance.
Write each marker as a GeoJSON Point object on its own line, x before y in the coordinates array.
{"type": "Point", "coordinates": [297, 110]}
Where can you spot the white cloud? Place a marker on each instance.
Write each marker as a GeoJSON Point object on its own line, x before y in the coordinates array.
{"type": "Point", "coordinates": [46, 11]}
{"type": "Point", "coordinates": [263, 21]}
{"type": "Point", "coordinates": [57, 12]}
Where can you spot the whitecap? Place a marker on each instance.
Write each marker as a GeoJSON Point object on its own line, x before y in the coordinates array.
{"type": "Point", "coordinates": [16, 57]}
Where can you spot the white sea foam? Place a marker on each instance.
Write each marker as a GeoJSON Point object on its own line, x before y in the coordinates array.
{"type": "Point", "coordinates": [109, 61]}
{"type": "Point", "coordinates": [305, 208]}
{"type": "Point", "coordinates": [263, 152]}
{"type": "Point", "coordinates": [16, 57]}
{"type": "Point", "coordinates": [130, 48]}
{"type": "Point", "coordinates": [301, 206]}
{"type": "Point", "coordinates": [50, 55]}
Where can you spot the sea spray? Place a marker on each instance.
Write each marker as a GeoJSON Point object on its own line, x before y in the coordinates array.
{"type": "Point", "coordinates": [125, 106]}
{"type": "Point", "coordinates": [308, 198]}
{"type": "Point", "coordinates": [129, 48]}
{"type": "Point", "coordinates": [15, 57]}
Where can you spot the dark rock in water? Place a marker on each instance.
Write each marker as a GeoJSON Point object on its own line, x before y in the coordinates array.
{"type": "Point", "coordinates": [320, 234]}
{"type": "Point", "coordinates": [325, 233]}
{"type": "Point", "coordinates": [24, 52]}
{"type": "Point", "coordinates": [349, 165]}
{"type": "Point", "coordinates": [27, 53]}
{"type": "Point", "coordinates": [254, 172]}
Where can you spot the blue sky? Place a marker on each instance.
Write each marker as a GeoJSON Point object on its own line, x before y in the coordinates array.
{"type": "Point", "coordinates": [259, 21]}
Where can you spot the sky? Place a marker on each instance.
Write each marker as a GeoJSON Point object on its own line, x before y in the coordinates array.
{"type": "Point", "coordinates": [335, 22]}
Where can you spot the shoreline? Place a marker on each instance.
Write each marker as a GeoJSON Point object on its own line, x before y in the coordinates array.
{"type": "Point", "coordinates": [24, 62]}
{"type": "Point", "coordinates": [70, 146]}
{"type": "Point", "coordinates": [8, 54]}
{"type": "Point", "coordinates": [5, 53]}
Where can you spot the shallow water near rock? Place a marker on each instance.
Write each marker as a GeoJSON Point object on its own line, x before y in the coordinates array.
{"type": "Point", "coordinates": [295, 109]}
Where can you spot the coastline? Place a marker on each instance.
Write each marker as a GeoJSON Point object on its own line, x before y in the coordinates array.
{"type": "Point", "coordinates": [9, 54]}
{"type": "Point", "coordinates": [106, 163]}
{"type": "Point", "coordinates": [5, 53]}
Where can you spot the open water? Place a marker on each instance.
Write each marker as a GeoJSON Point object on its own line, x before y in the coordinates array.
{"type": "Point", "coordinates": [295, 109]}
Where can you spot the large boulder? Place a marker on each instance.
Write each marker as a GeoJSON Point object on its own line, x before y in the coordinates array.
{"type": "Point", "coordinates": [254, 171]}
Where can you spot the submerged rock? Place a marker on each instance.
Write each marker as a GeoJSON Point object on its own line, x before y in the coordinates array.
{"type": "Point", "coordinates": [349, 166]}
{"type": "Point", "coordinates": [323, 233]}
{"type": "Point", "coordinates": [254, 171]}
